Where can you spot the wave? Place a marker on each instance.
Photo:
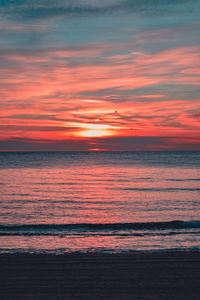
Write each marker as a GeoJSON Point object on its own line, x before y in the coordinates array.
{"type": "Point", "coordinates": [80, 227]}
{"type": "Point", "coordinates": [98, 234]}
{"type": "Point", "coordinates": [161, 189]}
{"type": "Point", "coordinates": [186, 179]}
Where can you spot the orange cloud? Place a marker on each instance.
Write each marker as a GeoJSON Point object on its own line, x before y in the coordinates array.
{"type": "Point", "coordinates": [48, 99]}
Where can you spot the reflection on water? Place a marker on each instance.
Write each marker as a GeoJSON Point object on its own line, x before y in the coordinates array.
{"type": "Point", "coordinates": [104, 187]}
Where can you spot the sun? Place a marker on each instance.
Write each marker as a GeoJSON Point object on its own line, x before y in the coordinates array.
{"type": "Point", "coordinates": [95, 133]}
{"type": "Point", "coordinates": [95, 130]}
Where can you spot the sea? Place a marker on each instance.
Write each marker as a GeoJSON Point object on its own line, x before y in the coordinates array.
{"type": "Point", "coordinates": [99, 202]}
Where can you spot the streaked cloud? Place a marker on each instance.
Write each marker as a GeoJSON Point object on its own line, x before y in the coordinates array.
{"type": "Point", "coordinates": [28, 9]}
{"type": "Point", "coordinates": [88, 74]}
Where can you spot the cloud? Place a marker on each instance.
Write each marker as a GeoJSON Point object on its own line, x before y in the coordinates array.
{"type": "Point", "coordinates": [48, 9]}
{"type": "Point", "coordinates": [42, 9]}
{"type": "Point", "coordinates": [66, 63]}
{"type": "Point", "coordinates": [50, 73]}
{"type": "Point", "coordinates": [144, 143]}
{"type": "Point", "coordinates": [34, 128]}
{"type": "Point", "coordinates": [25, 144]}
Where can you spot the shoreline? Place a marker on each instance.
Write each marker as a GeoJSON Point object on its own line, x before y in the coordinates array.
{"type": "Point", "coordinates": [154, 275]}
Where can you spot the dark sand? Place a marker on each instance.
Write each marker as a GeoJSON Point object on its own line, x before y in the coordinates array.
{"type": "Point", "coordinates": [157, 276]}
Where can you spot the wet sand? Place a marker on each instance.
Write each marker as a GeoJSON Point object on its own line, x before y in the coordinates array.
{"type": "Point", "coordinates": [132, 276]}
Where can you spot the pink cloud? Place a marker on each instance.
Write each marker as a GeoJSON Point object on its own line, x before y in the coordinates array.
{"type": "Point", "coordinates": [49, 84]}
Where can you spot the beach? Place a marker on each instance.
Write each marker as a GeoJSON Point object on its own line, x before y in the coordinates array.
{"type": "Point", "coordinates": [154, 275]}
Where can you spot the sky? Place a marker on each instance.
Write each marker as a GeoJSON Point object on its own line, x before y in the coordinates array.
{"type": "Point", "coordinates": [78, 75]}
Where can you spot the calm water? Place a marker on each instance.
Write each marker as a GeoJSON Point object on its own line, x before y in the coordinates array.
{"type": "Point", "coordinates": [99, 201]}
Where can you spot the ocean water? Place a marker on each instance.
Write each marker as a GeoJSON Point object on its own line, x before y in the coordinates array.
{"type": "Point", "coordinates": [112, 202]}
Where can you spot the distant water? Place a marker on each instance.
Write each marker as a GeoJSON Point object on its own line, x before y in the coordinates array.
{"type": "Point", "coordinates": [99, 201]}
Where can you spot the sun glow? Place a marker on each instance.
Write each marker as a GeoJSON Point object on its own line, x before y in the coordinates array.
{"type": "Point", "coordinates": [95, 133]}
{"type": "Point", "coordinates": [95, 130]}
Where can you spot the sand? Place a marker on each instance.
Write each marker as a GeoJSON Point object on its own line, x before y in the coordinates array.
{"type": "Point", "coordinates": [132, 276]}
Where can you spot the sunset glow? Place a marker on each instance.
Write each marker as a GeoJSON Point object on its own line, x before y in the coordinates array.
{"type": "Point", "coordinates": [95, 130]}
{"type": "Point", "coordinates": [70, 79]}
{"type": "Point", "coordinates": [94, 133]}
